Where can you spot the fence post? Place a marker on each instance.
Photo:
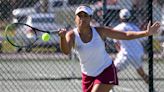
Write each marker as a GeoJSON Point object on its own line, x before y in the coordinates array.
{"type": "Point", "coordinates": [150, 47]}
{"type": "Point", "coordinates": [104, 11]}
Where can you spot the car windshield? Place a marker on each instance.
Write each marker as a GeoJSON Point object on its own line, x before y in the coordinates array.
{"type": "Point", "coordinates": [57, 3]}
{"type": "Point", "coordinates": [43, 20]}
{"type": "Point", "coordinates": [20, 19]}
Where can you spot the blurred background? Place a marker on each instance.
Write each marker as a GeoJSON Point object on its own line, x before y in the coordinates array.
{"type": "Point", "coordinates": [44, 68]}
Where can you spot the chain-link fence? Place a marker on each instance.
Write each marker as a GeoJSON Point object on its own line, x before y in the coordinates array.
{"type": "Point", "coordinates": [45, 69]}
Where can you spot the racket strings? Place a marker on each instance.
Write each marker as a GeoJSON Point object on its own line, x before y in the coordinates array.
{"type": "Point", "coordinates": [21, 35]}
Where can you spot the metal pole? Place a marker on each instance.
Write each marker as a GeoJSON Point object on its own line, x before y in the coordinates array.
{"type": "Point", "coordinates": [104, 10]}
{"type": "Point", "coordinates": [150, 49]}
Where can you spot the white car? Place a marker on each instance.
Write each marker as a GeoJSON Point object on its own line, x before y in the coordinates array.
{"type": "Point", "coordinates": [20, 14]}
{"type": "Point", "coordinates": [46, 22]}
{"type": "Point", "coordinates": [43, 21]}
{"type": "Point", "coordinates": [162, 25]}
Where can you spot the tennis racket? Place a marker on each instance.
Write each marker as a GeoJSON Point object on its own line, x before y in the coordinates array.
{"type": "Point", "coordinates": [22, 35]}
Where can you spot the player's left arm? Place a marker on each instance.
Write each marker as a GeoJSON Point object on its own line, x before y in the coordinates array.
{"type": "Point", "coordinates": [115, 34]}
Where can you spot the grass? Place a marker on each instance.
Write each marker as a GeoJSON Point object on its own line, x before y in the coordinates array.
{"type": "Point", "coordinates": [44, 49]}
{"type": "Point", "coordinates": [7, 47]}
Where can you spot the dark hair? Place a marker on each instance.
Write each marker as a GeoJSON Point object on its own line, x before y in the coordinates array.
{"type": "Point", "coordinates": [124, 20]}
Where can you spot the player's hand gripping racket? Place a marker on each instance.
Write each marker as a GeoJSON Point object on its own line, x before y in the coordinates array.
{"type": "Point", "coordinates": [23, 35]}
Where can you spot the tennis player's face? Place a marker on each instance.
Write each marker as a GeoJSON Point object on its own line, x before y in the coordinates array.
{"type": "Point", "coordinates": [82, 19]}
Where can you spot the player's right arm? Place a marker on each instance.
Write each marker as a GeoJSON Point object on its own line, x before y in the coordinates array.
{"type": "Point", "coordinates": [66, 41]}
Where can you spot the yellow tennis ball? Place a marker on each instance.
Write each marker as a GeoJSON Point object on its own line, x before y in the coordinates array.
{"type": "Point", "coordinates": [45, 37]}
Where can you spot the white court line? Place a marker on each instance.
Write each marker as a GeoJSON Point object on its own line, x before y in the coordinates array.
{"type": "Point", "coordinates": [124, 89]}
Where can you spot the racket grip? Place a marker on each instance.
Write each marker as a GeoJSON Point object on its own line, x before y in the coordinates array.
{"type": "Point", "coordinates": [55, 32]}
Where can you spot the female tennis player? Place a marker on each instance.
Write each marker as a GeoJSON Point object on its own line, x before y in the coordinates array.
{"type": "Point", "coordinates": [98, 71]}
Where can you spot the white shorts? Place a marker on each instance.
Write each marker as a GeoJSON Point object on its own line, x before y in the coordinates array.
{"type": "Point", "coordinates": [123, 60]}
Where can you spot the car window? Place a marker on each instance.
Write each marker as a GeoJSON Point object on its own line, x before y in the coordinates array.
{"type": "Point", "coordinates": [20, 19]}
{"type": "Point", "coordinates": [57, 4]}
{"type": "Point", "coordinates": [43, 20]}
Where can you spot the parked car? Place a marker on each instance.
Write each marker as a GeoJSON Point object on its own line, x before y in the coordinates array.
{"type": "Point", "coordinates": [20, 14]}
{"type": "Point", "coordinates": [47, 22]}
{"type": "Point", "coordinates": [162, 25]}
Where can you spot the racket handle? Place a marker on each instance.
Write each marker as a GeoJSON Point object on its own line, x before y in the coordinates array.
{"type": "Point", "coordinates": [55, 32]}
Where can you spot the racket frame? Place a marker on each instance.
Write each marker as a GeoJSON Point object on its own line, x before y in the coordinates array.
{"type": "Point", "coordinates": [35, 32]}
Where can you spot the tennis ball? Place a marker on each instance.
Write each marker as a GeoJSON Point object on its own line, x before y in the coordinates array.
{"type": "Point", "coordinates": [45, 37]}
